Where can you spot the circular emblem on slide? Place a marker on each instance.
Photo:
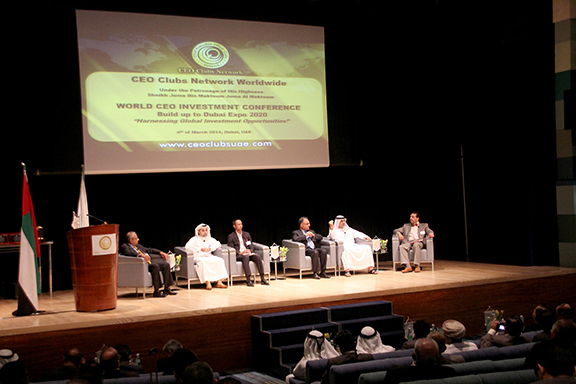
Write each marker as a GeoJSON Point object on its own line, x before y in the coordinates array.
{"type": "Point", "coordinates": [210, 54]}
{"type": "Point", "coordinates": [105, 242]}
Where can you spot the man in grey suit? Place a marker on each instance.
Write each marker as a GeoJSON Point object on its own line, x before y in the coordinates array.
{"type": "Point", "coordinates": [413, 236]}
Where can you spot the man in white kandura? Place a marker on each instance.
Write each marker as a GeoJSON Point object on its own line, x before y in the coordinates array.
{"type": "Point", "coordinates": [355, 256]}
{"type": "Point", "coordinates": [208, 267]}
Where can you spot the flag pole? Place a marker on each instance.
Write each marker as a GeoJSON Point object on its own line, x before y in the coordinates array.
{"type": "Point", "coordinates": [28, 277]}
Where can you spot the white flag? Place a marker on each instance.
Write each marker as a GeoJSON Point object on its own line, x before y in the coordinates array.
{"type": "Point", "coordinates": [80, 217]}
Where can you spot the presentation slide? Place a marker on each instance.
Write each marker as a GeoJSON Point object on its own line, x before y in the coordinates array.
{"type": "Point", "coordinates": [170, 93]}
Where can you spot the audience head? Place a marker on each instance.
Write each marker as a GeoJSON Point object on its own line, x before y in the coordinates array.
{"type": "Point", "coordinates": [440, 340]}
{"type": "Point", "coordinates": [426, 352]}
{"type": "Point", "coordinates": [198, 373]}
{"type": "Point", "coordinates": [546, 319]}
{"type": "Point", "coordinates": [345, 341]}
{"type": "Point", "coordinates": [180, 359]}
{"type": "Point", "coordinates": [7, 356]}
{"type": "Point", "coordinates": [13, 372]}
{"type": "Point", "coordinates": [453, 330]}
{"type": "Point", "coordinates": [555, 361]}
{"type": "Point", "coordinates": [564, 332]}
{"type": "Point", "coordinates": [421, 329]}
{"type": "Point", "coordinates": [124, 352]}
{"type": "Point", "coordinates": [564, 311]}
{"type": "Point", "coordinates": [109, 359]}
{"type": "Point", "coordinates": [514, 326]}
{"type": "Point", "coordinates": [171, 346]}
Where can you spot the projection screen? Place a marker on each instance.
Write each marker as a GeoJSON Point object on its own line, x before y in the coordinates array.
{"type": "Point", "coordinates": [170, 93]}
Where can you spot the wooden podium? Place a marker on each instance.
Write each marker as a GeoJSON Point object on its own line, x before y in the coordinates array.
{"type": "Point", "coordinates": [94, 266]}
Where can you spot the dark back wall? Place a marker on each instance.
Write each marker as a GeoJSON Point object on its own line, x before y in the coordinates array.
{"type": "Point", "coordinates": [409, 87]}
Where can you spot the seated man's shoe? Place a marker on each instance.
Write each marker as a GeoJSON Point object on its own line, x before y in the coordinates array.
{"type": "Point", "coordinates": [208, 286]}
{"type": "Point", "coordinates": [249, 283]}
{"type": "Point", "coordinates": [158, 294]}
{"type": "Point", "coordinates": [324, 275]}
{"type": "Point", "coordinates": [170, 292]}
{"type": "Point", "coordinates": [417, 269]}
{"type": "Point", "coordinates": [347, 274]}
{"type": "Point", "coordinates": [316, 276]}
{"type": "Point", "coordinates": [265, 282]}
{"type": "Point", "coordinates": [221, 285]}
{"type": "Point", "coordinates": [407, 269]}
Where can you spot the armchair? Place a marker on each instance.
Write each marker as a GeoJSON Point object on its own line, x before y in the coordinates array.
{"type": "Point", "coordinates": [236, 268]}
{"type": "Point", "coordinates": [296, 257]}
{"type": "Point", "coordinates": [133, 272]}
{"type": "Point", "coordinates": [427, 252]}
{"type": "Point", "coordinates": [188, 266]}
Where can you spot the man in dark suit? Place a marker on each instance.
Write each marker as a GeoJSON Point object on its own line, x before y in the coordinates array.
{"type": "Point", "coordinates": [413, 236]}
{"type": "Point", "coordinates": [241, 241]}
{"type": "Point", "coordinates": [156, 263]}
{"type": "Point", "coordinates": [313, 249]}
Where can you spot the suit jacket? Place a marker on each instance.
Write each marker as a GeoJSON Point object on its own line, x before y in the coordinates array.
{"type": "Point", "coordinates": [300, 237]}
{"type": "Point", "coordinates": [423, 231]}
{"type": "Point", "coordinates": [234, 242]}
{"type": "Point", "coordinates": [127, 250]}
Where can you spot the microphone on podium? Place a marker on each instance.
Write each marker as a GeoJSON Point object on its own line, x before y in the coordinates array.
{"type": "Point", "coordinates": [100, 220]}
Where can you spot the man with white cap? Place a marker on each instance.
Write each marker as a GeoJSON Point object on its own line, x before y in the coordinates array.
{"type": "Point", "coordinates": [369, 341]}
{"type": "Point", "coordinates": [355, 256]}
{"type": "Point", "coordinates": [315, 347]}
{"type": "Point", "coordinates": [454, 332]}
{"type": "Point", "coordinates": [7, 356]}
{"type": "Point", "coordinates": [208, 267]}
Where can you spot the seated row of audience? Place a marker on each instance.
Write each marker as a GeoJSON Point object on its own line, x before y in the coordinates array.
{"type": "Point", "coordinates": [552, 357]}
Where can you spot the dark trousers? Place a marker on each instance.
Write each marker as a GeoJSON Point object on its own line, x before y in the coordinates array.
{"type": "Point", "coordinates": [319, 257]}
{"type": "Point", "coordinates": [159, 267]}
{"type": "Point", "coordinates": [246, 259]}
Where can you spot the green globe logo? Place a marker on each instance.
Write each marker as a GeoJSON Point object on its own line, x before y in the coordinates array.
{"type": "Point", "coordinates": [210, 55]}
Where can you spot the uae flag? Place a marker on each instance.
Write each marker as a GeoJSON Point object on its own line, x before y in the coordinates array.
{"type": "Point", "coordinates": [28, 278]}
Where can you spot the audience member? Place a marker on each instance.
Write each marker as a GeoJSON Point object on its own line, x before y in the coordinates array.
{"type": "Point", "coordinates": [73, 360]}
{"type": "Point", "coordinates": [426, 365]}
{"type": "Point", "coordinates": [563, 334]}
{"type": "Point", "coordinates": [315, 347]}
{"type": "Point", "coordinates": [179, 360]}
{"type": "Point", "coordinates": [126, 363]}
{"type": "Point", "coordinates": [564, 311]}
{"type": "Point", "coordinates": [14, 372]}
{"type": "Point", "coordinates": [369, 341]}
{"type": "Point", "coordinates": [163, 364]}
{"type": "Point", "coordinates": [346, 344]}
{"type": "Point", "coordinates": [440, 339]}
{"type": "Point", "coordinates": [511, 335]}
{"type": "Point", "coordinates": [198, 373]}
{"type": "Point", "coordinates": [7, 356]}
{"type": "Point", "coordinates": [421, 329]}
{"type": "Point", "coordinates": [110, 364]}
{"type": "Point", "coordinates": [546, 319]}
{"type": "Point", "coordinates": [454, 332]}
{"type": "Point", "coordinates": [537, 310]}
{"type": "Point", "coordinates": [555, 364]}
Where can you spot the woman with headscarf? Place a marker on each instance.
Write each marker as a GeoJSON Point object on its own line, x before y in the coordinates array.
{"type": "Point", "coordinates": [369, 341]}
{"type": "Point", "coordinates": [208, 267]}
{"type": "Point", "coordinates": [315, 347]}
{"type": "Point", "coordinates": [355, 256]}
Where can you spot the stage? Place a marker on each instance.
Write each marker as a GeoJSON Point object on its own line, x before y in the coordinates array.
{"type": "Point", "coordinates": [216, 324]}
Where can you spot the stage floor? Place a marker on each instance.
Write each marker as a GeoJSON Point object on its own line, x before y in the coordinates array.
{"type": "Point", "coordinates": [60, 312]}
